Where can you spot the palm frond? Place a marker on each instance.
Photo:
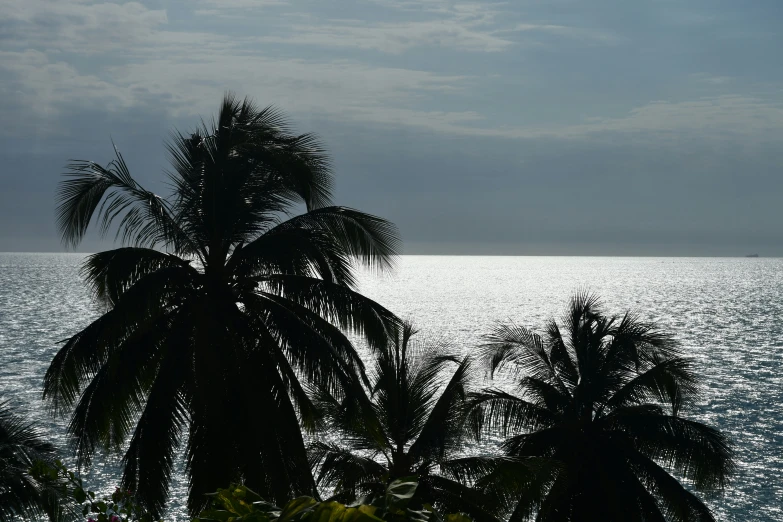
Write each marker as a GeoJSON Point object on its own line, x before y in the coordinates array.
{"type": "Point", "coordinates": [583, 307]}
{"type": "Point", "coordinates": [110, 403]}
{"type": "Point", "coordinates": [21, 443]}
{"type": "Point", "coordinates": [314, 346]}
{"type": "Point", "coordinates": [697, 452]}
{"type": "Point", "coordinates": [509, 343]}
{"type": "Point", "coordinates": [545, 394]}
{"type": "Point", "coordinates": [406, 381]}
{"type": "Point", "coordinates": [271, 445]}
{"type": "Point", "coordinates": [519, 485]}
{"type": "Point", "coordinates": [443, 426]}
{"type": "Point", "coordinates": [354, 419]}
{"type": "Point", "coordinates": [369, 239]}
{"type": "Point", "coordinates": [649, 342]}
{"type": "Point", "coordinates": [112, 272]}
{"type": "Point", "coordinates": [149, 460]}
{"type": "Point", "coordinates": [82, 355]}
{"type": "Point", "coordinates": [343, 470]}
{"type": "Point", "coordinates": [561, 356]}
{"type": "Point", "coordinates": [455, 497]}
{"type": "Point", "coordinates": [297, 251]}
{"type": "Point", "coordinates": [346, 308]}
{"type": "Point", "coordinates": [671, 381]}
{"type": "Point", "coordinates": [470, 470]}
{"type": "Point", "coordinates": [495, 409]}
{"type": "Point", "coordinates": [145, 218]}
{"type": "Point", "coordinates": [21, 446]}
{"type": "Point", "coordinates": [678, 504]}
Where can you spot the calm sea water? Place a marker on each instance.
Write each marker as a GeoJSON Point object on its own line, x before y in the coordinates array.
{"type": "Point", "coordinates": [727, 313]}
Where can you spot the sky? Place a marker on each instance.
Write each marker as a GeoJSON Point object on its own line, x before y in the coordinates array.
{"type": "Point", "coordinates": [529, 127]}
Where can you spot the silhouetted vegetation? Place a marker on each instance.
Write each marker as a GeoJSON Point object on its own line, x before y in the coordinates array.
{"type": "Point", "coordinates": [217, 309]}
{"type": "Point", "coordinates": [594, 427]}
{"type": "Point", "coordinates": [22, 492]}
{"type": "Point", "coordinates": [238, 503]}
{"type": "Point", "coordinates": [225, 328]}
{"type": "Point", "coordinates": [410, 424]}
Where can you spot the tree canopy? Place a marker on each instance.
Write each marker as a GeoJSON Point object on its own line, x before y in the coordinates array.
{"type": "Point", "coordinates": [593, 425]}
{"type": "Point", "coordinates": [221, 306]}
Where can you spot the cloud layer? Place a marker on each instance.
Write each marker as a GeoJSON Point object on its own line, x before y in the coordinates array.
{"type": "Point", "coordinates": [500, 85]}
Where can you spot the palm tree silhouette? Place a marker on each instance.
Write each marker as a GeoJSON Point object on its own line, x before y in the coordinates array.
{"type": "Point", "coordinates": [594, 428]}
{"type": "Point", "coordinates": [410, 425]}
{"type": "Point", "coordinates": [216, 308]}
{"type": "Point", "coordinates": [21, 494]}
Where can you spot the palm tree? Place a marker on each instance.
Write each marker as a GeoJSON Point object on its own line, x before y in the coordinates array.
{"type": "Point", "coordinates": [218, 310]}
{"type": "Point", "coordinates": [21, 494]}
{"type": "Point", "coordinates": [410, 425]}
{"type": "Point", "coordinates": [594, 429]}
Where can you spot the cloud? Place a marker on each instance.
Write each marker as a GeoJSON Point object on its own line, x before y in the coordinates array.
{"type": "Point", "coordinates": [183, 85]}
{"type": "Point", "coordinates": [36, 90]}
{"type": "Point", "coordinates": [334, 87]}
{"type": "Point", "coordinates": [78, 26]}
{"type": "Point", "coordinates": [452, 26]}
{"type": "Point", "coordinates": [234, 8]}
{"type": "Point", "coordinates": [710, 79]}
{"type": "Point", "coordinates": [727, 117]}
{"type": "Point", "coordinates": [569, 32]}
{"type": "Point", "coordinates": [119, 56]}
{"type": "Point", "coordinates": [395, 38]}
{"type": "Point", "coordinates": [71, 56]}
{"type": "Point", "coordinates": [718, 116]}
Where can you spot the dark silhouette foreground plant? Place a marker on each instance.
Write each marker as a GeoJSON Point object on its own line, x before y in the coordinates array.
{"type": "Point", "coordinates": [594, 427]}
{"type": "Point", "coordinates": [120, 506]}
{"type": "Point", "coordinates": [22, 493]}
{"type": "Point", "coordinates": [217, 308]}
{"type": "Point", "coordinates": [240, 504]}
{"type": "Point", "coordinates": [410, 424]}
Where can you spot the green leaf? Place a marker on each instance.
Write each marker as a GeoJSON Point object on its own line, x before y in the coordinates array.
{"type": "Point", "coordinates": [218, 515]}
{"type": "Point", "coordinates": [399, 493]}
{"type": "Point", "coordinates": [79, 495]}
{"type": "Point", "coordinates": [369, 510]}
{"type": "Point", "coordinates": [336, 512]}
{"type": "Point", "coordinates": [295, 508]}
{"type": "Point", "coordinates": [425, 515]}
{"type": "Point", "coordinates": [267, 507]}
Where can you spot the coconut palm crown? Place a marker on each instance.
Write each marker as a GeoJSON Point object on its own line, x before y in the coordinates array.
{"type": "Point", "coordinates": [22, 445]}
{"type": "Point", "coordinates": [218, 309]}
{"type": "Point", "coordinates": [593, 426]}
{"type": "Point", "coordinates": [410, 424]}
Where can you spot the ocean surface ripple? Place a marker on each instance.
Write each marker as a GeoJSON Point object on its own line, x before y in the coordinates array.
{"type": "Point", "coordinates": [726, 312]}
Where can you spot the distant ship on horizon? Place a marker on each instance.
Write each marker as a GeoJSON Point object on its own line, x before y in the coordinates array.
{"type": "Point", "coordinates": [752, 255]}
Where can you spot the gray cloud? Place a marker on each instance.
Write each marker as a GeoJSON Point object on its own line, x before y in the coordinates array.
{"type": "Point", "coordinates": [533, 127]}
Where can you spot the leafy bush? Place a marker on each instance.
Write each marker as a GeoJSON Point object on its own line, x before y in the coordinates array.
{"type": "Point", "coordinates": [120, 506]}
{"type": "Point", "coordinates": [239, 504]}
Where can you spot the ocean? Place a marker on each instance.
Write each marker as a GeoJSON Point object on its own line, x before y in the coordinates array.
{"type": "Point", "coordinates": [726, 312]}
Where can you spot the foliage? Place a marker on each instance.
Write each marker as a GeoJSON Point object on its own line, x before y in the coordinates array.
{"type": "Point", "coordinates": [120, 506]}
{"type": "Point", "coordinates": [409, 423]}
{"type": "Point", "coordinates": [22, 492]}
{"type": "Point", "coordinates": [238, 503]}
{"type": "Point", "coordinates": [217, 305]}
{"type": "Point", "coordinates": [594, 426]}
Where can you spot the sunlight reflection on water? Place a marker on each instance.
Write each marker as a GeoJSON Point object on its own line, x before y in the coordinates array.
{"type": "Point", "coordinates": [727, 313]}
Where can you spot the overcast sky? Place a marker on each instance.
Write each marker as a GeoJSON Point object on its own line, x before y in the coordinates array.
{"type": "Point", "coordinates": [522, 127]}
